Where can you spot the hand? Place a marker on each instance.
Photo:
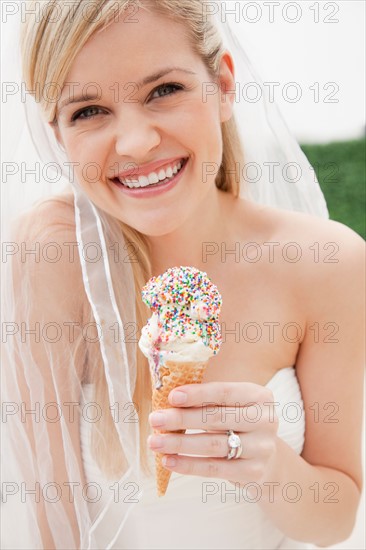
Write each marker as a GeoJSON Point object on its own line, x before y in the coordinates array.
{"type": "Point", "coordinates": [216, 407]}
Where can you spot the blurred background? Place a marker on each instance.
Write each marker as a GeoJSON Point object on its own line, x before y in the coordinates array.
{"type": "Point", "coordinates": [312, 55]}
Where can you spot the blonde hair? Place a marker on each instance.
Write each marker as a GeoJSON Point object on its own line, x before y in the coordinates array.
{"type": "Point", "coordinates": [64, 31]}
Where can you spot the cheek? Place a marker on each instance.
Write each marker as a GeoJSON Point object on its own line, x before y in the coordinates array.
{"type": "Point", "coordinates": [207, 129]}
{"type": "Point", "coordinates": [87, 155]}
{"type": "Point", "coordinates": [84, 149]}
{"type": "Point", "coordinates": [198, 127]}
{"type": "Point", "coordinates": [207, 137]}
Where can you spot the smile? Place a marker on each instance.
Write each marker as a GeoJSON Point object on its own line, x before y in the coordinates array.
{"type": "Point", "coordinates": [153, 183]}
{"type": "Point", "coordinates": [162, 176]}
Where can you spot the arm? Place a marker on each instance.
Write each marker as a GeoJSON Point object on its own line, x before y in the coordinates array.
{"type": "Point", "coordinates": [328, 373]}
{"type": "Point", "coordinates": [44, 366]}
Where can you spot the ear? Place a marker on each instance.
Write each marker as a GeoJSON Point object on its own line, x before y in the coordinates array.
{"type": "Point", "coordinates": [227, 86]}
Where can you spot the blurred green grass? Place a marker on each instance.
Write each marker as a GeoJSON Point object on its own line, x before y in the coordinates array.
{"type": "Point", "coordinates": [340, 168]}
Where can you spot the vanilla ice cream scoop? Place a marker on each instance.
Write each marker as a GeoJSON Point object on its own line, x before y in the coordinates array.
{"type": "Point", "coordinates": [184, 326]}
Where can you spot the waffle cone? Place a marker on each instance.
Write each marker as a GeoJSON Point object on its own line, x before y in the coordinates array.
{"type": "Point", "coordinates": [173, 374]}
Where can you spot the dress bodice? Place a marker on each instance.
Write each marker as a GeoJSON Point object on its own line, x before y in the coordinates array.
{"type": "Point", "coordinates": [205, 513]}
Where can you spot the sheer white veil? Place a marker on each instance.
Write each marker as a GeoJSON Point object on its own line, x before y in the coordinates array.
{"type": "Point", "coordinates": [40, 367]}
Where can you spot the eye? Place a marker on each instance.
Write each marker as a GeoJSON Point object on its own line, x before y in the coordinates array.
{"type": "Point", "coordinates": [87, 113]}
{"type": "Point", "coordinates": [167, 89]}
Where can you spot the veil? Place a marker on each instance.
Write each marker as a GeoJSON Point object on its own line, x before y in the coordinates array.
{"type": "Point", "coordinates": [45, 496]}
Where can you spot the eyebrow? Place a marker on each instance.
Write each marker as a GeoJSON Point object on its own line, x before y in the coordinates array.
{"type": "Point", "coordinates": [147, 80]}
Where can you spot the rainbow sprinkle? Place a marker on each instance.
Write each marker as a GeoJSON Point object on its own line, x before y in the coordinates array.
{"type": "Point", "coordinates": [174, 296]}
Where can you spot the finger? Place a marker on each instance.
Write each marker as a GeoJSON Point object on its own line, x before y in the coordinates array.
{"type": "Point", "coordinates": [210, 444]}
{"type": "Point", "coordinates": [240, 470]}
{"type": "Point", "coordinates": [216, 418]}
{"type": "Point", "coordinates": [220, 393]}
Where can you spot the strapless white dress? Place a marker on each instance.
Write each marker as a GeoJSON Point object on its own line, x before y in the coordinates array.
{"type": "Point", "coordinates": [203, 513]}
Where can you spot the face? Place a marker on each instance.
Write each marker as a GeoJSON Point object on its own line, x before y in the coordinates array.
{"type": "Point", "coordinates": [129, 140]}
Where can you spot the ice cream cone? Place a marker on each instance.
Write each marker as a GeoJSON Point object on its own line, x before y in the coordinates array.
{"type": "Point", "coordinates": [179, 338]}
{"type": "Point", "coordinates": [173, 374]}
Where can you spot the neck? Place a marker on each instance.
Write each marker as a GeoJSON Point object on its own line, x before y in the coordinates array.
{"type": "Point", "coordinates": [190, 244]}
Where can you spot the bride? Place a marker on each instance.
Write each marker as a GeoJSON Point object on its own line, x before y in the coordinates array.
{"type": "Point", "coordinates": [135, 101]}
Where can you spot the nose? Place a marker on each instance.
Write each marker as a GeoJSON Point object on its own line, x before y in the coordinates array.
{"type": "Point", "coordinates": [136, 135]}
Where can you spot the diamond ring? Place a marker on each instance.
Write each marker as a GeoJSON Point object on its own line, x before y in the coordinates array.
{"type": "Point", "coordinates": [234, 443]}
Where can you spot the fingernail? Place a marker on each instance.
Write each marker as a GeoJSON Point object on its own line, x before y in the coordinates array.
{"type": "Point", "coordinates": [157, 419]}
{"type": "Point", "coordinates": [155, 441]}
{"type": "Point", "coordinates": [169, 461]}
{"type": "Point", "coordinates": [178, 398]}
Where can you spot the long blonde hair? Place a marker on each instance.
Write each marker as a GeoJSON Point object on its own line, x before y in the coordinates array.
{"type": "Point", "coordinates": [64, 31]}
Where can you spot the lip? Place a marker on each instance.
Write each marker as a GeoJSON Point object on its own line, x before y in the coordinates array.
{"type": "Point", "coordinates": [153, 190]}
{"type": "Point", "coordinates": [148, 168]}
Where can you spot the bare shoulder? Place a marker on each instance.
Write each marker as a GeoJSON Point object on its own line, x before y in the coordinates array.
{"type": "Point", "coordinates": [46, 218]}
{"type": "Point", "coordinates": [323, 241]}
{"type": "Point", "coordinates": [45, 254]}
{"type": "Point", "coordinates": [320, 240]}
{"type": "Point", "coordinates": [314, 257]}
{"type": "Point", "coordinates": [47, 287]}
{"type": "Point", "coordinates": [316, 226]}
{"type": "Point", "coordinates": [326, 256]}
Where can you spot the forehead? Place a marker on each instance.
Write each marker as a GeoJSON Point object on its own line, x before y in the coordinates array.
{"type": "Point", "coordinates": [130, 45]}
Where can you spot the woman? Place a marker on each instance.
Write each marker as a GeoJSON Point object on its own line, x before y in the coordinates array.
{"type": "Point", "coordinates": [145, 89]}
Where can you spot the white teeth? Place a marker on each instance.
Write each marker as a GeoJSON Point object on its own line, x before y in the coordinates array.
{"type": "Point", "coordinates": [143, 181]}
{"type": "Point", "coordinates": [153, 178]}
{"type": "Point", "coordinates": [162, 175]}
